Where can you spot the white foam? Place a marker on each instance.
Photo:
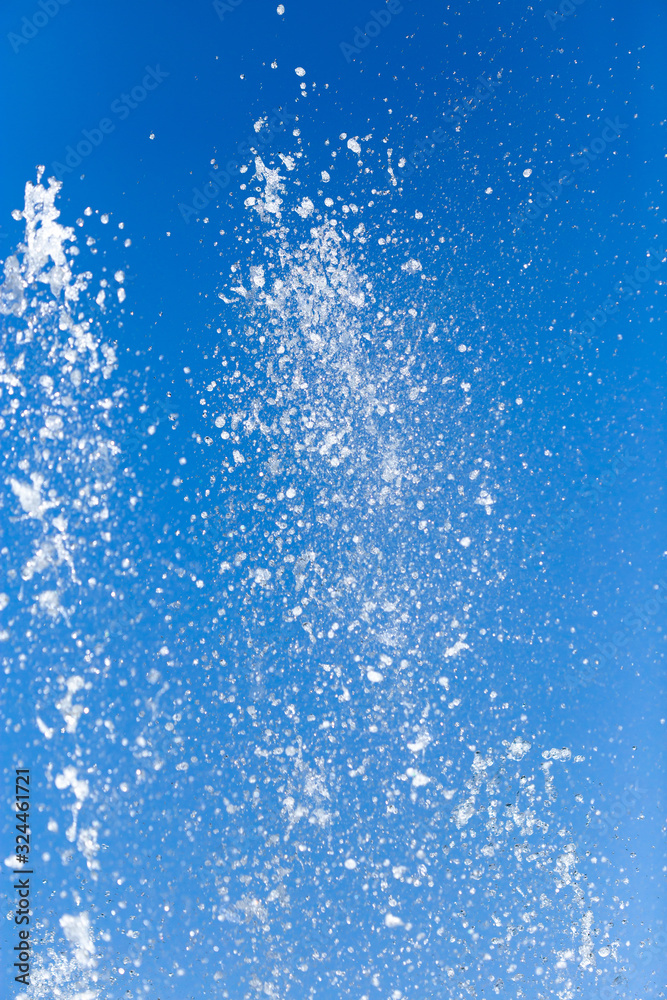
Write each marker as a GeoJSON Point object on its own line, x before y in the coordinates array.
{"type": "Point", "coordinates": [78, 931]}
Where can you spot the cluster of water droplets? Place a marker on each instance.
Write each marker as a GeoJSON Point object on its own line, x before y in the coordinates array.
{"type": "Point", "coordinates": [54, 371]}
{"type": "Point", "coordinates": [316, 592]}
{"type": "Point", "coordinates": [348, 569]}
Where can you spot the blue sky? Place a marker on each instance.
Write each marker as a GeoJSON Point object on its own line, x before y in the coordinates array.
{"type": "Point", "coordinates": [352, 559]}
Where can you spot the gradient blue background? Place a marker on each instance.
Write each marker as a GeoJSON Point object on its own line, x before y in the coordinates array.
{"type": "Point", "coordinates": [528, 288]}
